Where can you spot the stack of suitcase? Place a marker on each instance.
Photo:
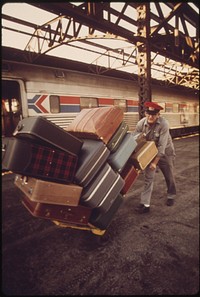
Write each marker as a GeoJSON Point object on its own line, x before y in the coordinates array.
{"type": "Point", "coordinates": [77, 176]}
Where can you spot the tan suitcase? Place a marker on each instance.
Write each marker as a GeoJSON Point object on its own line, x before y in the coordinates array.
{"type": "Point", "coordinates": [48, 192]}
{"type": "Point", "coordinates": [145, 155]}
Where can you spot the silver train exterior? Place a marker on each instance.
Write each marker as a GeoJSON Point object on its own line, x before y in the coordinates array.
{"type": "Point", "coordinates": [59, 94]}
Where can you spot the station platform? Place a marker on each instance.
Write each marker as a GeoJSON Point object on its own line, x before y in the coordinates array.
{"type": "Point", "coordinates": [150, 254]}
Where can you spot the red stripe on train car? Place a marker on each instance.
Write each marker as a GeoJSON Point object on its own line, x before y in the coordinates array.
{"type": "Point", "coordinates": [39, 103]}
{"type": "Point", "coordinates": [106, 101]}
{"type": "Point", "coordinates": [69, 100]}
{"type": "Point", "coordinates": [132, 102]}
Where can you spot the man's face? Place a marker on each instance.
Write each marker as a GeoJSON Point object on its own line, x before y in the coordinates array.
{"type": "Point", "coordinates": [151, 118]}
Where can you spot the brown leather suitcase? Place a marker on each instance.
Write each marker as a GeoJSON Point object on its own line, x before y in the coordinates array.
{"type": "Point", "coordinates": [63, 213]}
{"type": "Point", "coordinates": [144, 155]}
{"type": "Point", "coordinates": [96, 123]}
{"type": "Point", "coordinates": [129, 175]}
{"type": "Point", "coordinates": [38, 190]}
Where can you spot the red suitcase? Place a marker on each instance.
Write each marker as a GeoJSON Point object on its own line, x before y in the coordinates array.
{"type": "Point", "coordinates": [38, 190]}
{"type": "Point", "coordinates": [129, 175]}
{"type": "Point", "coordinates": [68, 214]}
{"type": "Point", "coordinates": [96, 123]}
{"type": "Point", "coordinates": [30, 159]}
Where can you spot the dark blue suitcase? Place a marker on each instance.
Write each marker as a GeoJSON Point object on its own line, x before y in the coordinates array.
{"type": "Point", "coordinates": [103, 189]}
{"type": "Point", "coordinates": [119, 158]}
{"type": "Point", "coordinates": [47, 133]}
{"type": "Point", "coordinates": [92, 157]}
{"type": "Point", "coordinates": [117, 138]}
{"type": "Point", "coordinates": [103, 220]}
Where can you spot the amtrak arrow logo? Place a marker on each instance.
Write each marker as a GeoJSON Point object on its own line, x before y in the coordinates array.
{"type": "Point", "coordinates": [36, 103]}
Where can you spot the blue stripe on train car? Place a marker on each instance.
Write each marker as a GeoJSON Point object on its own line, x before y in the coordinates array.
{"type": "Point", "coordinates": [132, 109]}
{"type": "Point", "coordinates": [69, 108]}
{"type": "Point", "coordinates": [32, 106]}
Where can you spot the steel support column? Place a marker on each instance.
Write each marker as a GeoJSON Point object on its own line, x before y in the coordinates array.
{"type": "Point", "coordinates": [143, 56]}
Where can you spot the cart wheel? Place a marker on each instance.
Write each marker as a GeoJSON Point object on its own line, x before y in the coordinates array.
{"type": "Point", "coordinates": [98, 232]}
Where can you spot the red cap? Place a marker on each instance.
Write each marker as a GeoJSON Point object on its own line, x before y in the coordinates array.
{"type": "Point", "coordinates": [152, 107]}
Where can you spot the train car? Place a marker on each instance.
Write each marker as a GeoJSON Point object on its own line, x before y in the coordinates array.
{"type": "Point", "coordinates": [59, 94]}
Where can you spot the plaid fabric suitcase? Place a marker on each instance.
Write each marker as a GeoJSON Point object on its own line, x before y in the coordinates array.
{"type": "Point", "coordinates": [103, 220]}
{"type": "Point", "coordinates": [103, 189]}
{"type": "Point", "coordinates": [129, 175]}
{"type": "Point", "coordinates": [30, 159]}
{"type": "Point", "coordinates": [119, 158]}
{"type": "Point", "coordinates": [96, 123]}
{"type": "Point", "coordinates": [94, 154]}
{"type": "Point", "coordinates": [38, 190]}
{"type": "Point", "coordinates": [47, 133]}
{"type": "Point", "coordinates": [117, 138]}
{"type": "Point", "coordinates": [144, 155]}
{"type": "Point", "coordinates": [63, 213]}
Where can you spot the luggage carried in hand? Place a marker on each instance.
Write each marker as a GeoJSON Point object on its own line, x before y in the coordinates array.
{"type": "Point", "coordinates": [144, 155]}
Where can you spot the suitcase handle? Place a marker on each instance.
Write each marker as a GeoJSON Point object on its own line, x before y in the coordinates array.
{"type": "Point", "coordinates": [19, 127]}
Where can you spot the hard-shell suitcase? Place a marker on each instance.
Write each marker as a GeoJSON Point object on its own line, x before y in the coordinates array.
{"type": "Point", "coordinates": [48, 133]}
{"type": "Point", "coordinates": [69, 214]}
{"type": "Point", "coordinates": [96, 123]}
{"type": "Point", "coordinates": [103, 220]}
{"type": "Point", "coordinates": [93, 155]}
{"type": "Point", "coordinates": [119, 158]}
{"type": "Point", "coordinates": [145, 155]}
{"type": "Point", "coordinates": [140, 139]}
{"type": "Point", "coordinates": [103, 189]}
{"type": "Point", "coordinates": [129, 175]}
{"type": "Point", "coordinates": [38, 190]}
{"type": "Point", "coordinates": [30, 159]}
{"type": "Point", "coordinates": [118, 136]}
{"type": "Point", "coordinates": [111, 195]}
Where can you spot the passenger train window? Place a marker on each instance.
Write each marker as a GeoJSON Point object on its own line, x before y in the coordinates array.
{"type": "Point", "coordinates": [121, 103]}
{"type": "Point", "coordinates": [86, 102]}
{"type": "Point", "coordinates": [175, 107]}
{"type": "Point", "coordinates": [54, 102]}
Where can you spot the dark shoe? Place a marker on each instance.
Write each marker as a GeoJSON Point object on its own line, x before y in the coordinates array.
{"type": "Point", "coordinates": [142, 209]}
{"type": "Point", "coordinates": [170, 202]}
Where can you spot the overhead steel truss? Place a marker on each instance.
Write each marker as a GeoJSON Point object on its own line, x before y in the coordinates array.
{"type": "Point", "coordinates": [147, 32]}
